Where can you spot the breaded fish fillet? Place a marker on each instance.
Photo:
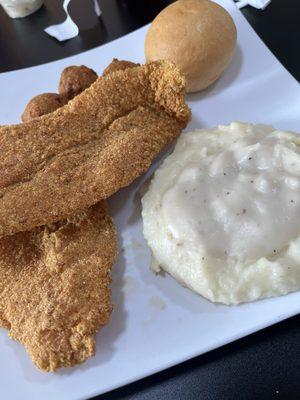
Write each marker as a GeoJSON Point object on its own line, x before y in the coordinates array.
{"type": "Point", "coordinates": [54, 287]}
{"type": "Point", "coordinates": [44, 251]}
{"type": "Point", "coordinates": [84, 152]}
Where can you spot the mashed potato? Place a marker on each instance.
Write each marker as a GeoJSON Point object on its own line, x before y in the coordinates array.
{"type": "Point", "coordinates": [222, 214]}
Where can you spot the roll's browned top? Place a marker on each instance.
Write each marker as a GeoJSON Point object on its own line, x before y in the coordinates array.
{"type": "Point", "coordinates": [85, 151]}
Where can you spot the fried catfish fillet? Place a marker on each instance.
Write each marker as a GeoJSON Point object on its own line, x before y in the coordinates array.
{"type": "Point", "coordinates": [55, 287]}
{"type": "Point", "coordinates": [33, 244]}
{"type": "Point", "coordinates": [85, 151]}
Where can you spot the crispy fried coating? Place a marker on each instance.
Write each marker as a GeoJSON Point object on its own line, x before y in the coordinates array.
{"type": "Point", "coordinates": [42, 104]}
{"type": "Point", "coordinates": [84, 152]}
{"type": "Point", "coordinates": [54, 287]}
{"type": "Point", "coordinates": [47, 259]}
{"type": "Point", "coordinates": [118, 65]}
{"type": "Point", "coordinates": [75, 79]}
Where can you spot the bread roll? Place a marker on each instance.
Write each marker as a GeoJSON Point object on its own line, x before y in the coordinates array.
{"type": "Point", "coordinates": [197, 35]}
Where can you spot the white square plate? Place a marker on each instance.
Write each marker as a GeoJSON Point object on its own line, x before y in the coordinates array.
{"type": "Point", "coordinates": [156, 322]}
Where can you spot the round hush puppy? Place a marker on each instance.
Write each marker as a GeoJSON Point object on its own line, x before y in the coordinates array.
{"type": "Point", "coordinates": [118, 65]}
{"type": "Point", "coordinates": [75, 79]}
{"type": "Point", "coordinates": [42, 104]}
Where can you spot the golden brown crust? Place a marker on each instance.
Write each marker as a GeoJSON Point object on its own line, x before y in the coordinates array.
{"type": "Point", "coordinates": [118, 65]}
{"type": "Point", "coordinates": [87, 150]}
{"type": "Point", "coordinates": [50, 259]}
{"type": "Point", "coordinates": [41, 105]}
{"type": "Point", "coordinates": [54, 287]}
{"type": "Point", "coordinates": [75, 79]}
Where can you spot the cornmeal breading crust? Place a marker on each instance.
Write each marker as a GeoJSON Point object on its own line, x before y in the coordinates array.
{"type": "Point", "coordinates": [85, 151]}
{"type": "Point", "coordinates": [54, 287]}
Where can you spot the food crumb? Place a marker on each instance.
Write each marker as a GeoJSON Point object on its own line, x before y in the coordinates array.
{"type": "Point", "coordinates": [157, 303]}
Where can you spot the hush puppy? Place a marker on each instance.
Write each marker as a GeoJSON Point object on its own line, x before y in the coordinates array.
{"type": "Point", "coordinates": [74, 80]}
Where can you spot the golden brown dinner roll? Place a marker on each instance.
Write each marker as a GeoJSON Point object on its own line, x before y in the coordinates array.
{"type": "Point", "coordinates": [42, 104]}
{"type": "Point", "coordinates": [197, 35]}
{"type": "Point", "coordinates": [75, 79]}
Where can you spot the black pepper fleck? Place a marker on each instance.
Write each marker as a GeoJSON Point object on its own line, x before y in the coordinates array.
{"type": "Point", "coordinates": [250, 158]}
{"type": "Point", "coordinates": [251, 181]}
{"type": "Point", "coordinates": [244, 211]}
